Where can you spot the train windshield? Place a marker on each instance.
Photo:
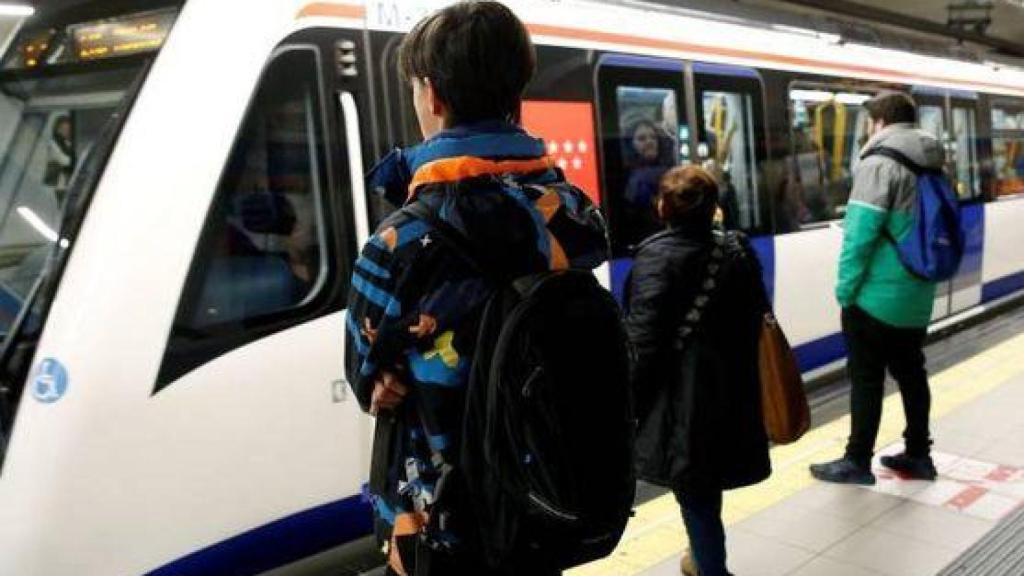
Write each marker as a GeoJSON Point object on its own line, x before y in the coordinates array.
{"type": "Point", "coordinates": [48, 125]}
{"type": "Point", "coordinates": [61, 87]}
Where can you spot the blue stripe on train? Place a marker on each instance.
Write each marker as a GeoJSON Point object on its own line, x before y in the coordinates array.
{"type": "Point", "coordinates": [620, 268]}
{"type": "Point", "coordinates": [817, 353]}
{"type": "Point", "coordinates": [280, 542]}
{"type": "Point", "coordinates": [1002, 287]}
{"type": "Point", "coordinates": [764, 246]}
{"type": "Point", "coordinates": [972, 222]}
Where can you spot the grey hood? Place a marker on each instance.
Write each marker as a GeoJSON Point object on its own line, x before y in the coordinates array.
{"type": "Point", "coordinates": [920, 146]}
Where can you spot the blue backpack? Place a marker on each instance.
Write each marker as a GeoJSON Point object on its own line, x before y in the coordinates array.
{"type": "Point", "coordinates": [935, 245]}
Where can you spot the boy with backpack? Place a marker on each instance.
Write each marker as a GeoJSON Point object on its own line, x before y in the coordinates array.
{"type": "Point", "coordinates": [901, 236]}
{"type": "Point", "coordinates": [496, 366]}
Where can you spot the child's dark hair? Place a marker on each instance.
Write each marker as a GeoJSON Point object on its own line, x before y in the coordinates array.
{"type": "Point", "coordinates": [478, 56]}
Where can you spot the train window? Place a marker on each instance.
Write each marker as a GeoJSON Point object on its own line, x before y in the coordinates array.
{"type": "Point", "coordinates": [828, 130]}
{"type": "Point", "coordinates": [263, 250]}
{"type": "Point", "coordinates": [728, 125]}
{"type": "Point", "coordinates": [644, 133]}
{"type": "Point", "coordinates": [402, 124]}
{"type": "Point", "coordinates": [931, 120]}
{"type": "Point", "coordinates": [965, 152]}
{"type": "Point", "coordinates": [731, 141]}
{"type": "Point", "coordinates": [402, 117]}
{"type": "Point", "coordinates": [46, 127]}
{"type": "Point", "coordinates": [650, 129]}
{"type": "Point", "coordinates": [1008, 148]}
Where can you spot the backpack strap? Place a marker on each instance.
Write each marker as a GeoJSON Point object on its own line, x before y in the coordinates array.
{"type": "Point", "coordinates": [694, 315]}
{"type": "Point", "coordinates": [903, 160]}
{"type": "Point", "coordinates": [900, 158]}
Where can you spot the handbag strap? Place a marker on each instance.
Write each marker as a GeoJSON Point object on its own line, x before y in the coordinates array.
{"type": "Point", "coordinates": [706, 290]}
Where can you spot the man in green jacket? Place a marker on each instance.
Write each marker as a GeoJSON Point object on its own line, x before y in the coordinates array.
{"type": "Point", "coordinates": [886, 310]}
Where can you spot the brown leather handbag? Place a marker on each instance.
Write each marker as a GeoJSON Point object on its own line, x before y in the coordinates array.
{"type": "Point", "coordinates": [787, 416]}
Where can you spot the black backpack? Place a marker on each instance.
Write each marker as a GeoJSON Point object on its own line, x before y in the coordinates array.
{"type": "Point", "coordinates": [546, 459]}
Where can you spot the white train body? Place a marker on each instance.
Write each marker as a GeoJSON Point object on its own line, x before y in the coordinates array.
{"type": "Point", "coordinates": [138, 447]}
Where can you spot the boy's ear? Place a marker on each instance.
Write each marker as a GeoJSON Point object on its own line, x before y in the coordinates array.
{"type": "Point", "coordinates": [437, 107]}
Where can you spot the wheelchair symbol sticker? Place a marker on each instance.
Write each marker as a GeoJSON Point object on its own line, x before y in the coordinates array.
{"type": "Point", "coordinates": [50, 381]}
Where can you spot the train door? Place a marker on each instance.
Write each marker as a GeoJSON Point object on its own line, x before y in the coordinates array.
{"type": "Point", "coordinates": [644, 131]}
{"type": "Point", "coordinates": [731, 143]}
{"type": "Point", "coordinates": [255, 353]}
{"type": "Point", "coordinates": [965, 170]}
{"type": "Point", "coordinates": [932, 118]}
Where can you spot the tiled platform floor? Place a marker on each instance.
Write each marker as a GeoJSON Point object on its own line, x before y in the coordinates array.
{"type": "Point", "coordinates": [793, 525]}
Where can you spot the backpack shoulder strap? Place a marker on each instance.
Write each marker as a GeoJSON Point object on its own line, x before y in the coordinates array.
{"type": "Point", "coordinates": [900, 158]}
{"type": "Point", "coordinates": [907, 163]}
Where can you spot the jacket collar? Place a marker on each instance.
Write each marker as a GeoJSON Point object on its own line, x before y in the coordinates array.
{"type": "Point", "coordinates": [883, 135]}
{"type": "Point", "coordinates": [467, 151]}
{"type": "Point", "coordinates": [489, 139]}
{"type": "Point", "coordinates": [682, 233]}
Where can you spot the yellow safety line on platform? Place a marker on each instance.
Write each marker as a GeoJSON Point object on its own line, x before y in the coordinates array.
{"type": "Point", "coordinates": [656, 532]}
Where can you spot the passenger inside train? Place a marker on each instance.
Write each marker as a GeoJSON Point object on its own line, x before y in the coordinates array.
{"type": "Point", "coordinates": [648, 151]}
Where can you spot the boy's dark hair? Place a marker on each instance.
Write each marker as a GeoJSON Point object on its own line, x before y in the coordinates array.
{"type": "Point", "coordinates": [892, 108]}
{"type": "Point", "coordinates": [478, 56]}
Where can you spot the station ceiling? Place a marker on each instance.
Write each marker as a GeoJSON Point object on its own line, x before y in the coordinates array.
{"type": "Point", "coordinates": [1007, 15]}
{"type": "Point", "coordinates": [1006, 30]}
{"type": "Point", "coordinates": [1005, 34]}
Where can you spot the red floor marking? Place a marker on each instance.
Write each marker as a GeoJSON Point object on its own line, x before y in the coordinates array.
{"type": "Point", "coordinates": [966, 497]}
{"type": "Point", "coordinates": [1002, 473]}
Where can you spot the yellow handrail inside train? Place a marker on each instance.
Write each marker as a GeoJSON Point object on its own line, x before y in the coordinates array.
{"type": "Point", "coordinates": [723, 135]}
{"type": "Point", "coordinates": [838, 136]}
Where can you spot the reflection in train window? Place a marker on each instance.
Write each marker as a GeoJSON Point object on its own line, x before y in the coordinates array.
{"type": "Point", "coordinates": [828, 130]}
{"type": "Point", "coordinates": [730, 155]}
{"type": "Point", "coordinates": [1008, 148]}
{"type": "Point", "coordinates": [261, 251]}
{"type": "Point", "coordinates": [651, 132]}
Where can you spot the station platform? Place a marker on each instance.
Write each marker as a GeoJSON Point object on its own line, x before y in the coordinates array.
{"type": "Point", "coordinates": [794, 525]}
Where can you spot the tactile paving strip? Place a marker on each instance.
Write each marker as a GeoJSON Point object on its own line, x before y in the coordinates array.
{"type": "Point", "coordinates": [999, 553]}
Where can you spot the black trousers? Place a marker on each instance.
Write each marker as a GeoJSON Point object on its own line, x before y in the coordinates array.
{"type": "Point", "coordinates": [873, 347]}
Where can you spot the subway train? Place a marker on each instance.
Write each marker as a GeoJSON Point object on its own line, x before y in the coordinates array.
{"type": "Point", "coordinates": [182, 196]}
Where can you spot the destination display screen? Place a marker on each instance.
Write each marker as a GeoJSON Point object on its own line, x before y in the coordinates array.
{"type": "Point", "coordinates": [88, 41]}
{"type": "Point", "coordinates": [121, 37]}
